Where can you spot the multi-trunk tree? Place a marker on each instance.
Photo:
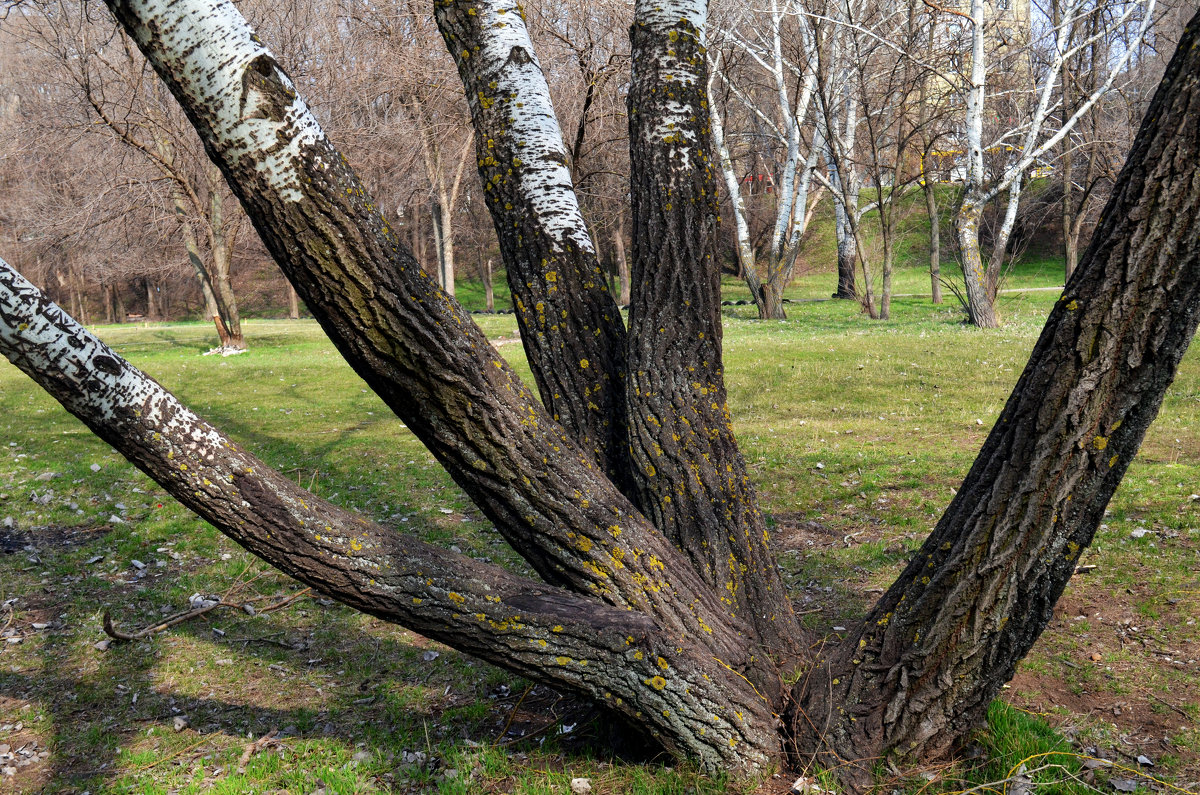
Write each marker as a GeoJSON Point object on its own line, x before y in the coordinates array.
{"type": "Point", "coordinates": [623, 487]}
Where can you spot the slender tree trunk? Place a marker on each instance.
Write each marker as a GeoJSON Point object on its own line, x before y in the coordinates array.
{"type": "Point", "coordinates": [981, 309]}
{"type": "Point", "coordinates": [152, 312]}
{"type": "Point", "coordinates": [548, 255]}
{"type": "Point", "coordinates": [221, 241]}
{"type": "Point", "coordinates": [487, 286]}
{"type": "Point", "coordinates": [109, 304]}
{"type": "Point", "coordinates": [436, 219]}
{"type": "Point", "coordinates": [867, 297]}
{"type": "Point", "coordinates": [226, 301]}
{"type": "Point", "coordinates": [935, 240]}
{"type": "Point", "coordinates": [293, 302]}
{"type": "Point", "coordinates": [885, 297]}
{"type": "Point", "coordinates": [622, 266]}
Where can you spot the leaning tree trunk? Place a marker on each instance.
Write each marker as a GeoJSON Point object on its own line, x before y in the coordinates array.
{"type": "Point", "coordinates": [555, 276]}
{"type": "Point", "coordinates": [917, 675]}
{"type": "Point", "coordinates": [611, 655]}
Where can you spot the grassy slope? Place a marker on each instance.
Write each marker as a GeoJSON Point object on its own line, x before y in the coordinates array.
{"type": "Point", "coordinates": [856, 433]}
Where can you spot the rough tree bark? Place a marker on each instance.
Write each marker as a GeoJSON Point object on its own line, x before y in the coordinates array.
{"type": "Point", "coordinates": [623, 616]}
{"type": "Point", "coordinates": [553, 271]}
{"type": "Point", "coordinates": [690, 476]}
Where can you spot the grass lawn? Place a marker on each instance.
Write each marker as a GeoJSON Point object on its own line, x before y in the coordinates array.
{"type": "Point", "coordinates": [856, 433]}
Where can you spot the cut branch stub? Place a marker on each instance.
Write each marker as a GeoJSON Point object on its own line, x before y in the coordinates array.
{"type": "Point", "coordinates": [920, 673]}
{"type": "Point", "coordinates": [570, 325]}
{"type": "Point", "coordinates": [691, 478]}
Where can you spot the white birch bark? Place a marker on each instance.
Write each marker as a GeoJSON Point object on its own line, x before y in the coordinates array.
{"type": "Point", "coordinates": [982, 280]}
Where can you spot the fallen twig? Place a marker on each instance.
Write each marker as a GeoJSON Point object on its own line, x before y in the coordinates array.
{"type": "Point", "coordinates": [253, 748]}
{"type": "Point", "coordinates": [1169, 704]}
{"type": "Point", "coordinates": [167, 623]}
{"type": "Point", "coordinates": [188, 615]}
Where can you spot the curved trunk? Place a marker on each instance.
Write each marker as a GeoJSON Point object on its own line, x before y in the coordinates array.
{"type": "Point", "coordinates": [426, 359]}
{"type": "Point", "coordinates": [614, 656]}
{"type": "Point", "coordinates": [628, 619]}
{"type": "Point", "coordinates": [917, 676]}
{"type": "Point", "coordinates": [690, 476]}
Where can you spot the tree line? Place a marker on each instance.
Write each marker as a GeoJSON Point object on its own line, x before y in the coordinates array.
{"type": "Point", "coordinates": [853, 108]}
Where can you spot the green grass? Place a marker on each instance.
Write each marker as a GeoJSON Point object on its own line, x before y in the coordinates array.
{"type": "Point", "coordinates": [855, 431]}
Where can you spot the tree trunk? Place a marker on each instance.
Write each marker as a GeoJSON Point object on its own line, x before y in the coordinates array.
{"type": "Point", "coordinates": [981, 308]}
{"type": "Point", "coordinates": [627, 618]}
{"type": "Point", "coordinates": [935, 240]}
{"type": "Point", "coordinates": [770, 305]}
{"type": "Point", "coordinates": [487, 286]}
{"type": "Point", "coordinates": [622, 266]}
{"type": "Point", "coordinates": [152, 312]}
{"type": "Point", "coordinates": [846, 255]}
{"type": "Point", "coordinates": [690, 476]}
{"type": "Point", "coordinates": [613, 655]}
{"type": "Point", "coordinates": [109, 304]}
{"type": "Point", "coordinates": [293, 302]}
{"type": "Point", "coordinates": [227, 308]}
{"type": "Point", "coordinates": [548, 255]}
{"type": "Point", "coordinates": [885, 297]}
{"type": "Point", "coordinates": [911, 681]}
{"type": "Point", "coordinates": [437, 219]}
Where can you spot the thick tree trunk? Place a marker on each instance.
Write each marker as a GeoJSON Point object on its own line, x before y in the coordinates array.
{"type": "Point", "coordinates": [691, 478]}
{"type": "Point", "coordinates": [918, 674]}
{"type": "Point", "coordinates": [556, 280]}
{"type": "Point", "coordinates": [636, 624]}
{"type": "Point", "coordinates": [770, 307]}
{"type": "Point", "coordinates": [614, 656]}
{"type": "Point", "coordinates": [426, 359]}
